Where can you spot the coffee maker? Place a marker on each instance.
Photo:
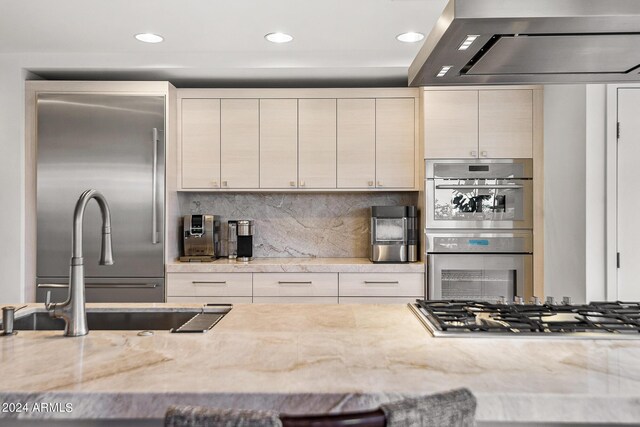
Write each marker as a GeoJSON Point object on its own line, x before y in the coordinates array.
{"type": "Point", "coordinates": [201, 240]}
{"type": "Point", "coordinates": [240, 241]}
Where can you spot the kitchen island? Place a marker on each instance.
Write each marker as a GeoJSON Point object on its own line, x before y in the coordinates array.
{"type": "Point", "coordinates": [316, 358]}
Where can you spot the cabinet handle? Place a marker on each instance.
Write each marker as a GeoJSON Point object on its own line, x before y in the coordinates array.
{"type": "Point", "coordinates": [282, 282]}
{"type": "Point", "coordinates": [381, 282]}
{"type": "Point", "coordinates": [301, 183]}
{"type": "Point", "coordinates": [370, 183]}
{"type": "Point", "coordinates": [207, 282]}
{"type": "Point", "coordinates": [214, 184]}
{"type": "Point", "coordinates": [380, 184]}
{"type": "Point", "coordinates": [473, 153]}
{"type": "Point", "coordinates": [224, 183]}
{"type": "Point", "coordinates": [292, 183]}
{"type": "Point", "coordinates": [484, 154]}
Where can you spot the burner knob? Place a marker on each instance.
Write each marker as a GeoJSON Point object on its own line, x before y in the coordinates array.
{"type": "Point", "coordinates": [518, 300]}
{"type": "Point", "coordinates": [536, 301]}
{"type": "Point", "coordinates": [566, 300]}
{"type": "Point", "coordinates": [551, 301]}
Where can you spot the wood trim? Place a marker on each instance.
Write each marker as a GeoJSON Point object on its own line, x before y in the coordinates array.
{"type": "Point", "coordinates": [315, 93]}
{"type": "Point", "coordinates": [538, 192]}
{"type": "Point", "coordinates": [486, 87]}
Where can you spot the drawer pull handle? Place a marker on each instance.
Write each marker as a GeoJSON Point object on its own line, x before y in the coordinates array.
{"type": "Point", "coordinates": [308, 282]}
{"type": "Point", "coordinates": [381, 282]}
{"type": "Point", "coordinates": [206, 282]}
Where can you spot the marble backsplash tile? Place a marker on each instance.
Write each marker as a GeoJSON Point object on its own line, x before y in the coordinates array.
{"type": "Point", "coordinates": [299, 224]}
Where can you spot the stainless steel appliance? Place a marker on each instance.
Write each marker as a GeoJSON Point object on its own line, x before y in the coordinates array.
{"type": "Point", "coordinates": [481, 319]}
{"type": "Point", "coordinates": [479, 229]}
{"type": "Point", "coordinates": [232, 239]}
{"type": "Point", "coordinates": [245, 230]}
{"type": "Point", "coordinates": [479, 266]}
{"type": "Point", "coordinates": [201, 237]}
{"type": "Point", "coordinates": [481, 193]}
{"type": "Point", "coordinates": [115, 144]}
{"type": "Point", "coordinates": [394, 234]}
{"type": "Point", "coordinates": [525, 42]}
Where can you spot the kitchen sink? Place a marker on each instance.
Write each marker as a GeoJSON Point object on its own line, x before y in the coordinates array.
{"type": "Point", "coordinates": [129, 319]}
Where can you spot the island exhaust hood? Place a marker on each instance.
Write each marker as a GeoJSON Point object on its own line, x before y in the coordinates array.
{"type": "Point", "coordinates": [531, 42]}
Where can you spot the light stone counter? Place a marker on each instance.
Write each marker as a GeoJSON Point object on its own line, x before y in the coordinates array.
{"type": "Point", "coordinates": [319, 358]}
{"type": "Point", "coordinates": [295, 265]}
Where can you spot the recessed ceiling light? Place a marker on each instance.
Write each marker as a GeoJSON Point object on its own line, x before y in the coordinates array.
{"type": "Point", "coordinates": [444, 70]}
{"type": "Point", "coordinates": [149, 38]}
{"type": "Point", "coordinates": [410, 37]}
{"type": "Point", "coordinates": [278, 37]}
{"type": "Point", "coordinates": [468, 41]}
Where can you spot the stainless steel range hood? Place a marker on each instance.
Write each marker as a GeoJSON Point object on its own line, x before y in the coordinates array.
{"type": "Point", "coordinates": [531, 41]}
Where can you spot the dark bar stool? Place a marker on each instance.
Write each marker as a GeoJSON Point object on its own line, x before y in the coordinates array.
{"type": "Point", "coordinates": [452, 409]}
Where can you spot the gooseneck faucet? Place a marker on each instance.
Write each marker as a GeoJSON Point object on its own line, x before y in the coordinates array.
{"type": "Point", "coordinates": [73, 309]}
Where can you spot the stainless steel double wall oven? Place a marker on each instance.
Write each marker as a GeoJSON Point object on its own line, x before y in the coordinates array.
{"type": "Point", "coordinates": [479, 228]}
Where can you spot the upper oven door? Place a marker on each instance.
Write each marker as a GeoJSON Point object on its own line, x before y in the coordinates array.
{"type": "Point", "coordinates": [482, 193]}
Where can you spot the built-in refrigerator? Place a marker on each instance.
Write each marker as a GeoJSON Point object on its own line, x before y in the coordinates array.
{"type": "Point", "coordinates": [114, 144]}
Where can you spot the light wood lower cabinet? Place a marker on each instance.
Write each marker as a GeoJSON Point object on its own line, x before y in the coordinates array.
{"type": "Point", "coordinates": [295, 300]}
{"type": "Point", "coordinates": [295, 285]}
{"type": "Point", "coordinates": [382, 285]}
{"type": "Point", "coordinates": [211, 300]}
{"type": "Point", "coordinates": [377, 300]}
{"type": "Point", "coordinates": [209, 285]}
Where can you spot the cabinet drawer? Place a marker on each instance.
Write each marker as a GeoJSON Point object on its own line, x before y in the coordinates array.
{"type": "Point", "coordinates": [377, 300]}
{"type": "Point", "coordinates": [211, 300]}
{"type": "Point", "coordinates": [209, 284]}
{"type": "Point", "coordinates": [295, 300]}
{"type": "Point", "coordinates": [295, 284]}
{"type": "Point", "coordinates": [381, 284]}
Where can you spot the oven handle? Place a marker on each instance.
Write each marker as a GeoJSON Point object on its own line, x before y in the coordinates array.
{"type": "Point", "coordinates": [471, 187]}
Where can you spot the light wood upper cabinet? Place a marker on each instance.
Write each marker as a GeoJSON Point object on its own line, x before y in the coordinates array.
{"type": "Point", "coordinates": [506, 123]}
{"type": "Point", "coordinates": [395, 143]}
{"type": "Point", "coordinates": [239, 142]}
{"type": "Point", "coordinates": [317, 143]}
{"type": "Point", "coordinates": [356, 143]}
{"type": "Point", "coordinates": [278, 143]}
{"type": "Point", "coordinates": [451, 124]}
{"type": "Point", "coordinates": [200, 138]}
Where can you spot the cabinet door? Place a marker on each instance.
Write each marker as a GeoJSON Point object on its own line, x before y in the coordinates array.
{"type": "Point", "coordinates": [200, 140]}
{"type": "Point", "coordinates": [278, 143]}
{"type": "Point", "coordinates": [239, 143]}
{"type": "Point", "coordinates": [356, 143]}
{"type": "Point", "coordinates": [317, 143]}
{"type": "Point", "coordinates": [450, 124]}
{"type": "Point", "coordinates": [506, 123]}
{"type": "Point", "coordinates": [395, 143]}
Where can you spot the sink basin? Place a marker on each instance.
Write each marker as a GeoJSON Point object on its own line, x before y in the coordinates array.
{"type": "Point", "coordinates": [121, 319]}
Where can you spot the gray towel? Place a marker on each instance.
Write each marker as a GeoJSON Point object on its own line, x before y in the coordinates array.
{"type": "Point", "coordinates": [195, 416]}
{"type": "Point", "coordinates": [455, 408]}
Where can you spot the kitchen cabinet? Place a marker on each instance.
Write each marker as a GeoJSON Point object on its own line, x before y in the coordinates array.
{"type": "Point", "coordinates": [209, 285]}
{"type": "Point", "coordinates": [395, 143]}
{"type": "Point", "coordinates": [377, 300]}
{"type": "Point", "coordinates": [278, 143]}
{"type": "Point", "coordinates": [211, 300]}
{"type": "Point", "coordinates": [295, 285]}
{"type": "Point", "coordinates": [493, 123]}
{"type": "Point", "coordinates": [356, 130]}
{"type": "Point", "coordinates": [239, 143]}
{"type": "Point", "coordinates": [382, 285]}
{"type": "Point", "coordinates": [295, 300]}
{"type": "Point", "coordinates": [200, 134]}
{"type": "Point", "coordinates": [317, 143]}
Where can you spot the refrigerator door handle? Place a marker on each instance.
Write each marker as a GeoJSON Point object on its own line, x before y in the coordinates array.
{"type": "Point", "coordinates": [101, 285]}
{"type": "Point", "coordinates": [154, 190]}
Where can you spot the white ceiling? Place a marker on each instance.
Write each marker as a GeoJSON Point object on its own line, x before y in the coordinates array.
{"type": "Point", "coordinates": [209, 41]}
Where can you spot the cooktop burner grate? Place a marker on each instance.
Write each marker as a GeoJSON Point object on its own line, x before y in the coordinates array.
{"type": "Point", "coordinates": [486, 317]}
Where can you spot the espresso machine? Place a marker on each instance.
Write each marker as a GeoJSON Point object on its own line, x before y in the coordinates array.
{"type": "Point", "coordinates": [240, 240]}
{"type": "Point", "coordinates": [201, 240]}
{"type": "Point", "coordinates": [394, 234]}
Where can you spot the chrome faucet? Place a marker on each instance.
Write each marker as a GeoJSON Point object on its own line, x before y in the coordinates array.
{"type": "Point", "coordinates": [73, 309]}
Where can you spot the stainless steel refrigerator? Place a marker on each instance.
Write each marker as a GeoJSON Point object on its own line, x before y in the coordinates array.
{"type": "Point", "coordinates": [114, 144]}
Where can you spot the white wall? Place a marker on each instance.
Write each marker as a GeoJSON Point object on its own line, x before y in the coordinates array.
{"type": "Point", "coordinates": [574, 131]}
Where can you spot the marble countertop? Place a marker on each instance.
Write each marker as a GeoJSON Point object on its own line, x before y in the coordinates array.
{"type": "Point", "coordinates": [318, 358]}
{"type": "Point", "coordinates": [295, 265]}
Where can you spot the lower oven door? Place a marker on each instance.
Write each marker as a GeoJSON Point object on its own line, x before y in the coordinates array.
{"type": "Point", "coordinates": [485, 277]}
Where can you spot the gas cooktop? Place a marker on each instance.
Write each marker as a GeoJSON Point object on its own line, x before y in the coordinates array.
{"type": "Point", "coordinates": [597, 320]}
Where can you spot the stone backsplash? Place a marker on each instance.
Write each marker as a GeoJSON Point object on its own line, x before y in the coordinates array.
{"type": "Point", "coordinates": [299, 224]}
